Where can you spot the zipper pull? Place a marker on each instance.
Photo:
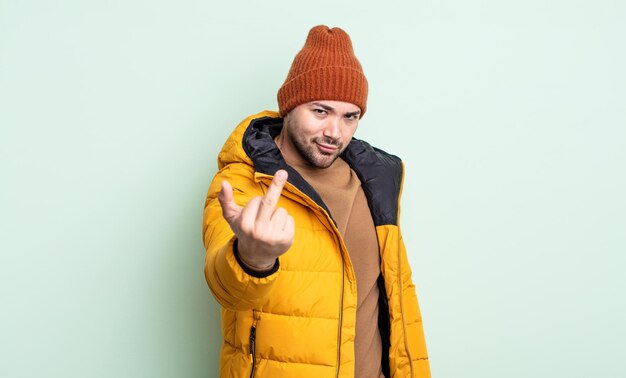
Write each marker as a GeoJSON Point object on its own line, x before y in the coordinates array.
{"type": "Point", "coordinates": [252, 340]}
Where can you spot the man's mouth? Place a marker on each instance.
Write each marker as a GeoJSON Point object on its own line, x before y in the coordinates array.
{"type": "Point", "coordinates": [326, 147]}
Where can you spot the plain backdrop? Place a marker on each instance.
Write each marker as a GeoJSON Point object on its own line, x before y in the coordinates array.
{"type": "Point", "coordinates": [509, 115]}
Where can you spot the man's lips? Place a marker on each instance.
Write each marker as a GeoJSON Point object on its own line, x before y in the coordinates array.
{"type": "Point", "coordinates": [327, 147]}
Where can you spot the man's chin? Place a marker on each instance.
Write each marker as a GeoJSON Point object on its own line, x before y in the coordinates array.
{"type": "Point", "coordinates": [325, 162]}
{"type": "Point", "coordinates": [317, 158]}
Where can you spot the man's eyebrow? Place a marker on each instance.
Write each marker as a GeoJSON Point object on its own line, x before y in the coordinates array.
{"type": "Point", "coordinates": [323, 106]}
{"type": "Point", "coordinates": [355, 113]}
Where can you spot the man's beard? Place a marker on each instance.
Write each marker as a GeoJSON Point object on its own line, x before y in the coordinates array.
{"type": "Point", "coordinates": [313, 155]}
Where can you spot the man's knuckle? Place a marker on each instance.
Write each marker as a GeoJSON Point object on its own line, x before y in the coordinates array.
{"type": "Point", "coordinates": [267, 202]}
{"type": "Point", "coordinates": [240, 223]}
{"type": "Point", "coordinates": [254, 233]}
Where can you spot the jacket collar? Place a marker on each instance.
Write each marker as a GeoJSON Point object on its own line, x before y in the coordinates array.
{"type": "Point", "coordinates": [380, 173]}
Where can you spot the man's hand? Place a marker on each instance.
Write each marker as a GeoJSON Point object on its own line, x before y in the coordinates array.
{"type": "Point", "coordinates": [264, 232]}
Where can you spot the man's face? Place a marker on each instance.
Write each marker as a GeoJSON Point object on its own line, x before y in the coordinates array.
{"type": "Point", "coordinates": [319, 131]}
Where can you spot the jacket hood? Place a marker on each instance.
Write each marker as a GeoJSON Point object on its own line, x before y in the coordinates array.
{"type": "Point", "coordinates": [232, 151]}
{"type": "Point", "coordinates": [381, 174]}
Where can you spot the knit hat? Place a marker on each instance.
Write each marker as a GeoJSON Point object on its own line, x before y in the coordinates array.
{"type": "Point", "coordinates": [325, 69]}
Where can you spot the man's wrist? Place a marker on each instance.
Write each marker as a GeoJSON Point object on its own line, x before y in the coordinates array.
{"type": "Point", "coordinates": [254, 270]}
{"type": "Point", "coordinates": [256, 267]}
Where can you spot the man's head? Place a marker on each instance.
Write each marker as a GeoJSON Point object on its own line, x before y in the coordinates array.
{"type": "Point", "coordinates": [323, 98]}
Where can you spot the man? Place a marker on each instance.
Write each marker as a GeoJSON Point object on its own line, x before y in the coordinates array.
{"type": "Point", "coordinates": [304, 251]}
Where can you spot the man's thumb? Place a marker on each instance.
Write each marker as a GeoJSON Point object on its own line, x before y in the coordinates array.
{"type": "Point", "coordinates": [230, 210]}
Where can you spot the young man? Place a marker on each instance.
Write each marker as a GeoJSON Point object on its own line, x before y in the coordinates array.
{"type": "Point", "coordinates": [304, 251]}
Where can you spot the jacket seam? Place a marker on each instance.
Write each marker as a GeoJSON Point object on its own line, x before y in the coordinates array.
{"type": "Point", "coordinates": [415, 322]}
{"type": "Point", "coordinates": [298, 316]}
{"type": "Point", "coordinates": [294, 362]}
{"type": "Point", "coordinates": [310, 271]}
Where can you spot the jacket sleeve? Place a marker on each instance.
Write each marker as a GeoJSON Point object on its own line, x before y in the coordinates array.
{"type": "Point", "coordinates": [233, 287]}
{"type": "Point", "coordinates": [414, 327]}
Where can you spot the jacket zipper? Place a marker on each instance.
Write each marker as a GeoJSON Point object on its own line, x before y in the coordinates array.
{"type": "Point", "coordinates": [340, 320]}
{"type": "Point", "coordinates": [343, 276]}
{"type": "Point", "coordinates": [336, 231]}
{"type": "Point", "coordinates": [252, 348]}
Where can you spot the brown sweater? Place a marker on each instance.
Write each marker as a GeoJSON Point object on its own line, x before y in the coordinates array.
{"type": "Point", "coordinates": [341, 191]}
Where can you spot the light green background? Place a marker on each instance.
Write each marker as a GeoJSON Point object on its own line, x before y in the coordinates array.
{"type": "Point", "coordinates": [509, 115]}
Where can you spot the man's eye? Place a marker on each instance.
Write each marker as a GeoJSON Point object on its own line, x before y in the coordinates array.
{"type": "Point", "coordinates": [319, 111]}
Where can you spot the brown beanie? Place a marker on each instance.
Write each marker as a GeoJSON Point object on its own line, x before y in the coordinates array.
{"type": "Point", "coordinates": [325, 69]}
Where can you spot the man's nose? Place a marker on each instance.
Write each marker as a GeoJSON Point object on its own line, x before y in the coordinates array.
{"type": "Point", "coordinates": [333, 128]}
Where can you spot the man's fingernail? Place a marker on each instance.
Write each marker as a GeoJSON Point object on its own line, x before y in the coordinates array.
{"type": "Point", "coordinates": [281, 174]}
